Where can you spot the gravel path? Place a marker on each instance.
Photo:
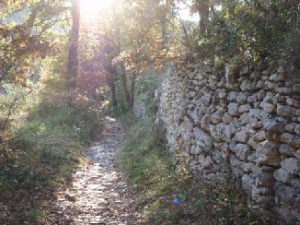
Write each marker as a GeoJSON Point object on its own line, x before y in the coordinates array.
{"type": "Point", "coordinates": [99, 194]}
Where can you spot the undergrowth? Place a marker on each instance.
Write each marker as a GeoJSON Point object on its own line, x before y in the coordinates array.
{"type": "Point", "coordinates": [45, 149]}
{"type": "Point", "coordinates": [169, 197]}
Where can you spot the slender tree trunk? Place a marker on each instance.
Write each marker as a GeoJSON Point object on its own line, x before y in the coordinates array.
{"type": "Point", "coordinates": [72, 71]}
{"type": "Point", "coordinates": [295, 9]}
{"type": "Point", "coordinates": [203, 9]}
{"type": "Point", "coordinates": [132, 90]}
{"type": "Point", "coordinates": [186, 37]}
{"type": "Point", "coordinates": [125, 86]}
{"type": "Point", "coordinates": [164, 12]}
{"type": "Point", "coordinates": [164, 34]}
{"type": "Point", "coordinates": [113, 94]}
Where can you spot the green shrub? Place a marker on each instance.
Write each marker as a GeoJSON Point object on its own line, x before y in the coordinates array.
{"type": "Point", "coordinates": [255, 31]}
{"type": "Point", "coordinates": [47, 149]}
{"type": "Point", "coordinates": [146, 84]}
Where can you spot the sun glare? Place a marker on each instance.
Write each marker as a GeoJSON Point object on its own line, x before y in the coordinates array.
{"type": "Point", "coordinates": [92, 8]}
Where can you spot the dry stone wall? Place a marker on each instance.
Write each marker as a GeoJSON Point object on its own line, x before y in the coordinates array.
{"type": "Point", "coordinates": [248, 130]}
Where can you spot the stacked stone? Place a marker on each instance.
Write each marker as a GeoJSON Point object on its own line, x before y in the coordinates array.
{"type": "Point", "coordinates": [249, 129]}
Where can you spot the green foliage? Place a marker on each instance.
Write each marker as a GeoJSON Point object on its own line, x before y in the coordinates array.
{"type": "Point", "coordinates": [146, 86]}
{"type": "Point", "coordinates": [256, 31]}
{"type": "Point", "coordinates": [44, 148]}
{"type": "Point", "coordinates": [52, 138]}
{"type": "Point", "coordinates": [26, 36]}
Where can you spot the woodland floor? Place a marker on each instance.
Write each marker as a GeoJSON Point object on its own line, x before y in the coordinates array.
{"type": "Point", "coordinates": [99, 193]}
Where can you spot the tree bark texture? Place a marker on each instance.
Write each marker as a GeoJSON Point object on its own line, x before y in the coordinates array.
{"type": "Point", "coordinates": [203, 10]}
{"type": "Point", "coordinates": [123, 79]}
{"type": "Point", "coordinates": [72, 70]}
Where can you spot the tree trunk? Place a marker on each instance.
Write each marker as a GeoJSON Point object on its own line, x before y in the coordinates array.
{"type": "Point", "coordinates": [72, 70]}
{"type": "Point", "coordinates": [164, 12]}
{"type": "Point", "coordinates": [203, 9]}
{"type": "Point", "coordinates": [295, 9]}
{"type": "Point", "coordinates": [164, 34]}
{"type": "Point", "coordinates": [125, 86]}
{"type": "Point", "coordinates": [186, 37]}
{"type": "Point", "coordinates": [113, 94]}
{"type": "Point", "coordinates": [132, 90]}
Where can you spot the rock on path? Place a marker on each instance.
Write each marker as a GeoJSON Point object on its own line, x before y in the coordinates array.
{"type": "Point", "coordinates": [99, 194]}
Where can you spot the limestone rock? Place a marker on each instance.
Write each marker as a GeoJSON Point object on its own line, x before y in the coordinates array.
{"type": "Point", "coordinates": [296, 88]}
{"type": "Point", "coordinates": [287, 150]}
{"type": "Point", "coordinates": [297, 154]}
{"type": "Point", "coordinates": [241, 98]}
{"type": "Point", "coordinates": [245, 119]}
{"type": "Point", "coordinates": [284, 193]}
{"type": "Point", "coordinates": [296, 206]}
{"type": "Point", "coordinates": [236, 166]}
{"type": "Point", "coordinates": [270, 85]}
{"type": "Point", "coordinates": [233, 109]}
{"type": "Point", "coordinates": [285, 110]}
{"type": "Point", "coordinates": [221, 132]}
{"type": "Point", "coordinates": [206, 98]}
{"type": "Point", "coordinates": [290, 139]}
{"type": "Point", "coordinates": [225, 151]}
{"type": "Point", "coordinates": [284, 90]}
{"type": "Point", "coordinates": [273, 125]}
{"type": "Point", "coordinates": [295, 183]}
{"type": "Point", "coordinates": [248, 85]}
{"type": "Point", "coordinates": [231, 73]}
{"type": "Point", "coordinates": [290, 127]}
{"type": "Point", "coordinates": [204, 122]}
{"type": "Point", "coordinates": [242, 151]}
{"type": "Point", "coordinates": [216, 118]}
{"type": "Point", "coordinates": [232, 96]}
{"type": "Point", "coordinates": [276, 77]}
{"type": "Point", "coordinates": [255, 139]}
{"type": "Point", "coordinates": [291, 165]}
{"type": "Point", "coordinates": [258, 192]}
{"type": "Point", "coordinates": [242, 136]}
{"type": "Point", "coordinates": [286, 214]}
{"type": "Point", "coordinates": [258, 114]}
{"type": "Point", "coordinates": [244, 108]}
{"type": "Point", "coordinates": [257, 125]}
{"type": "Point", "coordinates": [204, 162]}
{"type": "Point", "coordinates": [247, 182]}
{"type": "Point", "coordinates": [268, 107]}
{"type": "Point", "coordinates": [195, 150]}
{"type": "Point", "coordinates": [297, 129]}
{"type": "Point", "coordinates": [296, 103]}
{"type": "Point", "coordinates": [248, 167]}
{"type": "Point", "coordinates": [268, 154]}
{"type": "Point", "coordinates": [264, 179]}
{"type": "Point", "coordinates": [282, 175]}
{"type": "Point", "coordinates": [226, 118]}
{"type": "Point", "coordinates": [202, 138]}
{"type": "Point", "coordinates": [260, 84]}
{"type": "Point", "coordinates": [222, 94]}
